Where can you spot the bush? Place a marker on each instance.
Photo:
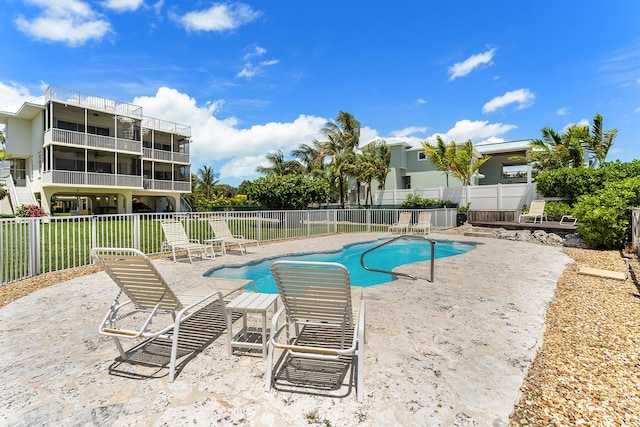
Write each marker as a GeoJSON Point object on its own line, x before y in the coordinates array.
{"type": "Point", "coordinates": [570, 183]}
{"type": "Point", "coordinates": [288, 191]}
{"type": "Point", "coordinates": [605, 217]}
{"type": "Point", "coordinates": [413, 201]}
{"type": "Point", "coordinates": [29, 211]}
{"type": "Point", "coordinates": [555, 210]}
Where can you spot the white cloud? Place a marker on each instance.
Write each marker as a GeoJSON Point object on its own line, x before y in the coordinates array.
{"type": "Point", "coordinates": [480, 132]}
{"type": "Point", "coordinates": [563, 111]}
{"type": "Point", "coordinates": [123, 5]}
{"type": "Point", "coordinates": [583, 122]}
{"type": "Point", "coordinates": [523, 97]}
{"type": "Point", "coordinates": [421, 101]}
{"type": "Point", "coordinates": [216, 139]}
{"type": "Point", "coordinates": [637, 110]}
{"type": "Point", "coordinates": [219, 17]}
{"type": "Point", "coordinates": [250, 69]}
{"type": "Point", "coordinates": [463, 68]}
{"type": "Point", "coordinates": [408, 131]}
{"type": "Point", "coordinates": [72, 22]}
{"type": "Point", "coordinates": [13, 95]}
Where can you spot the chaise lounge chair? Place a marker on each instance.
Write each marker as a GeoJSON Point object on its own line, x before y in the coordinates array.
{"type": "Point", "coordinates": [150, 298]}
{"type": "Point", "coordinates": [535, 211]}
{"type": "Point", "coordinates": [403, 224]}
{"type": "Point", "coordinates": [423, 224]}
{"type": "Point", "coordinates": [177, 239]}
{"type": "Point", "coordinates": [221, 231]}
{"type": "Point", "coordinates": [322, 319]}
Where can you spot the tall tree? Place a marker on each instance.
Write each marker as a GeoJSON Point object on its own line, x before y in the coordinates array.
{"type": "Point", "coordinates": [206, 182]}
{"type": "Point", "coordinates": [441, 155]}
{"type": "Point", "coordinates": [599, 142]}
{"type": "Point", "coordinates": [557, 150]}
{"type": "Point", "coordinates": [280, 166]}
{"type": "Point", "coordinates": [466, 164]}
{"type": "Point", "coordinates": [342, 138]}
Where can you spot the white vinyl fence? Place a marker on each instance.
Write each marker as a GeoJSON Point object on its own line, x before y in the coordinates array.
{"type": "Point", "coordinates": [32, 246]}
{"type": "Point", "coordinates": [481, 197]}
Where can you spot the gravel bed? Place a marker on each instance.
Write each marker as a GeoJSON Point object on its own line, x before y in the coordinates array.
{"type": "Point", "coordinates": [587, 370]}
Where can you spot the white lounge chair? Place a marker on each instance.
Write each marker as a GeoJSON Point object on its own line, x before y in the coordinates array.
{"type": "Point", "coordinates": [322, 317]}
{"type": "Point", "coordinates": [403, 224]}
{"type": "Point", "coordinates": [178, 240]}
{"type": "Point", "coordinates": [423, 224]}
{"type": "Point", "coordinates": [535, 211]}
{"type": "Point", "coordinates": [149, 298]}
{"type": "Point", "coordinates": [221, 231]}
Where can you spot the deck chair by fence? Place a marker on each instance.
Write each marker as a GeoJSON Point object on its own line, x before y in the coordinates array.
{"type": "Point", "coordinates": [535, 211]}
{"type": "Point", "coordinates": [221, 231]}
{"type": "Point", "coordinates": [177, 239]}
{"type": "Point", "coordinates": [403, 224]}
{"type": "Point", "coordinates": [423, 224]}
{"type": "Point", "coordinates": [322, 317]}
{"type": "Point", "coordinates": [149, 298]}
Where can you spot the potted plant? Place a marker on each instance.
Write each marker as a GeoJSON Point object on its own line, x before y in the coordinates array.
{"type": "Point", "coordinates": [461, 216]}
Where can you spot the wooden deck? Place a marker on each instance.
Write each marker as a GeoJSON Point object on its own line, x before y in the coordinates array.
{"type": "Point", "coordinates": [548, 226]}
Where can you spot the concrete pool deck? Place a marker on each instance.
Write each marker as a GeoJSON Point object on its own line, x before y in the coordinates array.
{"type": "Point", "coordinates": [453, 352]}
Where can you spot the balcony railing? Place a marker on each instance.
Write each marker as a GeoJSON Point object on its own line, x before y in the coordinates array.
{"type": "Point", "coordinates": [79, 139]}
{"type": "Point", "coordinates": [69, 96]}
{"type": "Point", "coordinates": [92, 179]}
{"type": "Point", "coordinates": [166, 126]}
{"type": "Point", "coordinates": [162, 185]}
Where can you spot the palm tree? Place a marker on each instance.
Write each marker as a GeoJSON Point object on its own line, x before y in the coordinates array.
{"type": "Point", "coordinates": [343, 136]}
{"type": "Point", "coordinates": [280, 166]}
{"type": "Point", "coordinates": [465, 164]}
{"type": "Point", "coordinates": [309, 157]}
{"type": "Point", "coordinates": [599, 142]}
{"type": "Point", "coordinates": [441, 155]}
{"type": "Point", "coordinates": [381, 163]}
{"type": "Point", "coordinates": [206, 182]}
{"type": "Point", "coordinates": [556, 150]}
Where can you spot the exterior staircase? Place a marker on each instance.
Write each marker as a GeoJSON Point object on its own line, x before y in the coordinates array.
{"type": "Point", "coordinates": [22, 195]}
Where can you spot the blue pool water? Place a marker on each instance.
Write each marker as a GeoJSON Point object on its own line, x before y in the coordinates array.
{"type": "Point", "coordinates": [386, 258]}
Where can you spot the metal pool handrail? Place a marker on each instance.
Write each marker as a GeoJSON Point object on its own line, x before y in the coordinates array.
{"type": "Point", "coordinates": [397, 273]}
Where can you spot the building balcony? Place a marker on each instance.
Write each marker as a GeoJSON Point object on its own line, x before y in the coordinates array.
{"type": "Point", "coordinates": [79, 139]}
{"type": "Point", "coordinates": [168, 156]}
{"type": "Point", "coordinates": [91, 179]}
{"type": "Point", "coordinates": [164, 185]}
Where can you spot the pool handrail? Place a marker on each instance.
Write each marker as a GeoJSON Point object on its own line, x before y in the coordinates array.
{"type": "Point", "coordinates": [398, 273]}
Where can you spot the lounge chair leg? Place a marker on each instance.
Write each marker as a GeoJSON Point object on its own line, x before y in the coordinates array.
{"type": "Point", "coordinates": [123, 354]}
{"type": "Point", "coordinates": [267, 384]}
{"type": "Point", "coordinates": [174, 351]}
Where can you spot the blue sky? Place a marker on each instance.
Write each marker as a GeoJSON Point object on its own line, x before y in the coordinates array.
{"type": "Point", "coordinates": [258, 76]}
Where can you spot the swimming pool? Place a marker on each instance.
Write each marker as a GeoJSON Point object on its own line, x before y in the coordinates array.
{"type": "Point", "coordinates": [387, 258]}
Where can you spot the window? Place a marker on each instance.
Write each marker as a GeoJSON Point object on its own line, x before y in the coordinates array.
{"type": "Point", "coordinates": [422, 156]}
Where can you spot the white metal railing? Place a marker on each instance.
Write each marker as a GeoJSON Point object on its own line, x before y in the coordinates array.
{"type": "Point", "coordinates": [182, 186]}
{"type": "Point", "coordinates": [129, 181]}
{"type": "Point", "coordinates": [32, 246]}
{"type": "Point", "coordinates": [167, 126]}
{"type": "Point", "coordinates": [147, 153]}
{"type": "Point", "coordinates": [101, 179]}
{"type": "Point", "coordinates": [61, 136]}
{"type": "Point", "coordinates": [69, 96]}
{"type": "Point", "coordinates": [128, 145]}
{"type": "Point", "coordinates": [13, 194]}
{"type": "Point", "coordinates": [99, 141]}
{"type": "Point", "coordinates": [162, 155]}
{"type": "Point", "coordinates": [180, 157]}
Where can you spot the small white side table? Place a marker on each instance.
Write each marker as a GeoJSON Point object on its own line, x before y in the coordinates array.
{"type": "Point", "coordinates": [217, 241]}
{"type": "Point", "coordinates": [568, 219]}
{"type": "Point", "coordinates": [245, 303]}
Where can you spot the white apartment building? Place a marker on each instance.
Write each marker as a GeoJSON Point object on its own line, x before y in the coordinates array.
{"type": "Point", "coordinates": [74, 152]}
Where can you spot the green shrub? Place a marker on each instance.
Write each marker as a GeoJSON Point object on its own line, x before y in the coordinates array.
{"type": "Point", "coordinates": [413, 201]}
{"type": "Point", "coordinates": [570, 183]}
{"type": "Point", "coordinates": [555, 210]}
{"type": "Point", "coordinates": [288, 191]}
{"type": "Point", "coordinates": [605, 216]}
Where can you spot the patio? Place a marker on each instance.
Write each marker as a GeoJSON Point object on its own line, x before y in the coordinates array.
{"type": "Point", "coordinates": [456, 350]}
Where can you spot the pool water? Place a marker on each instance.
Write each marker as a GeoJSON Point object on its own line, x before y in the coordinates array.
{"type": "Point", "coordinates": [385, 258]}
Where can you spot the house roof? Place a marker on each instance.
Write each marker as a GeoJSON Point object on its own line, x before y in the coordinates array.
{"type": "Point", "coordinates": [26, 111]}
{"type": "Point", "coordinates": [503, 147]}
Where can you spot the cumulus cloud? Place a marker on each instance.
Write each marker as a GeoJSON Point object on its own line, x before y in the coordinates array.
{"type": "Point", "coordinates": [478, 131]}
{"type": "Point", "coordinates": [215, 139]}
{"type": "Point", "coordinates": [219, 17]}
{"type": "Point", "coordinates": [523, 97]}
{"type": "Point", "coordinates": [421, 101]}
{"type": "Point", "coordinates": [408, 131]}
{"type": "Point", "coordinates": [13, 95]}
{"type": "Point", "coordinates": [123, 5]}
{"type": "Point", "coordinates": [72, 22]}
{"type": "Point", "coordinates": [461, 69]}
{"type": "Point", "coordinates": [562, 111]}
